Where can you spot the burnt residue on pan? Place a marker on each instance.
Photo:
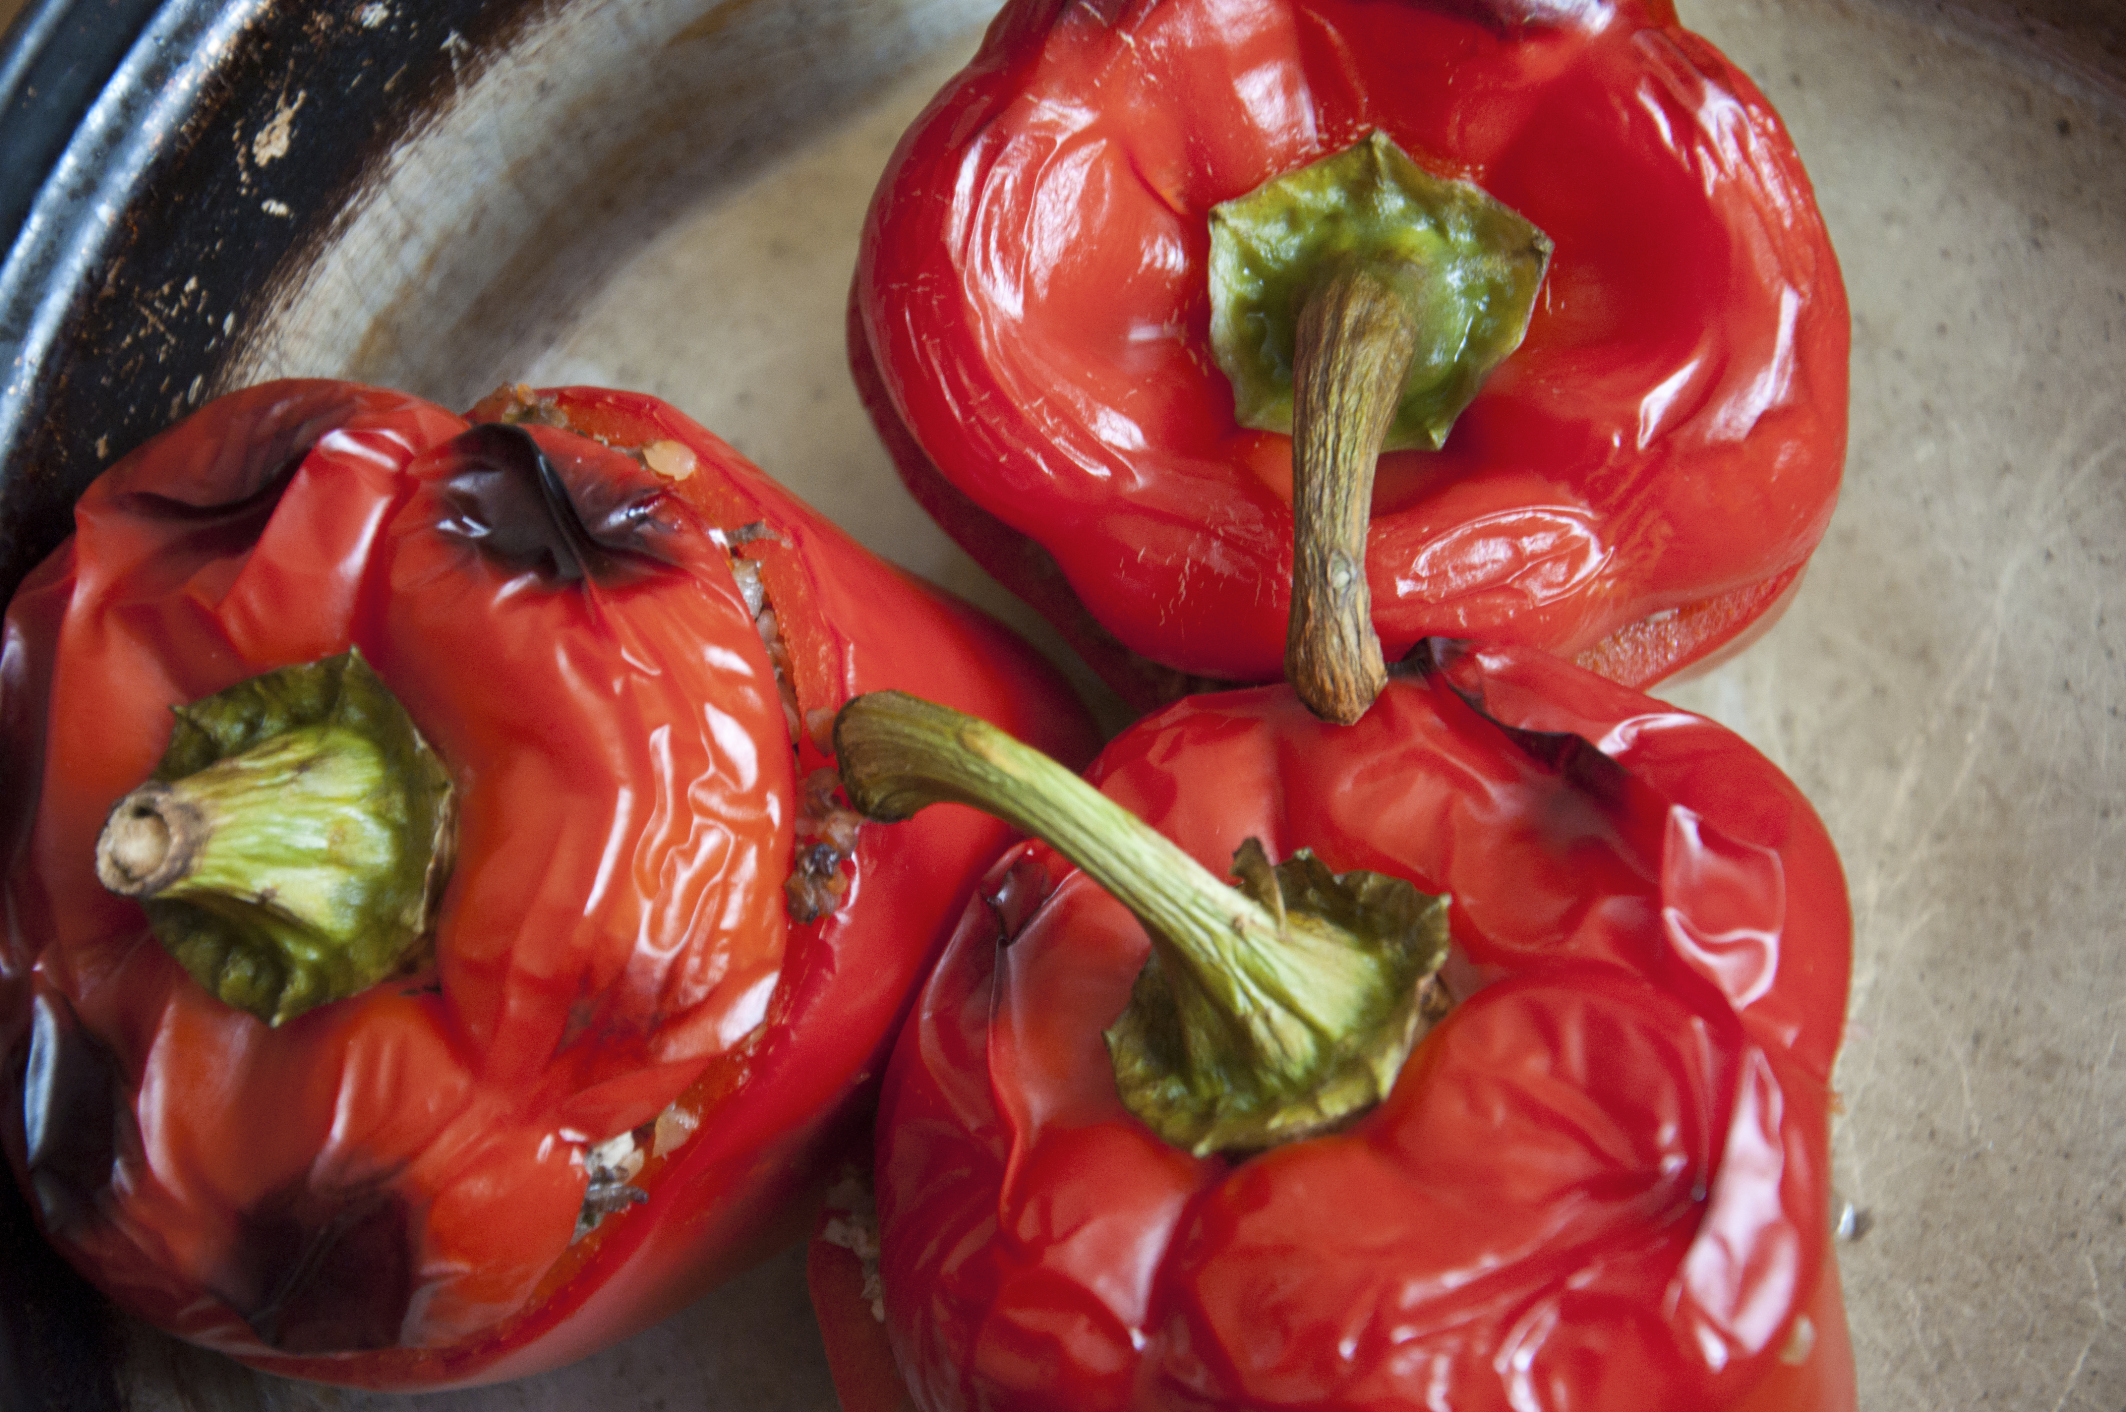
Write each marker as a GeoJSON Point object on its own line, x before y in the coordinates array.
{"type": "Point", "coordinates": [215, 160]}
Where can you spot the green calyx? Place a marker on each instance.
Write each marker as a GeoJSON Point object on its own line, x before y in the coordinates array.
{"type": "Point", "coordinates": [1272, 1042]}
{"type": "Point", "coordinates": [1465, 267]}
{"type": "Point", "coordinates": [1280, 1008]}
{"type": "Point", "coordinates": [293, 842]}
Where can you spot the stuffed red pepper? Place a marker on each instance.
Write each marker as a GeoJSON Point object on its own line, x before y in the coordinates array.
{"type": "Point", "coordinates": [1500, 1078]}
{"type": "Point", "coordinates": [434, 945]}
{"type": "Point", "coordinates": [1153, 281]}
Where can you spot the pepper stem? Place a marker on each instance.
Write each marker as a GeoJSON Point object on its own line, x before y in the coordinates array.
{"type": "Point", "coordinates": [1358, 303]}
{"type": "Point", "coordinates": [294, 841]}
{"type": "Point", "coordinates": [1356, 336]}
{"type": "Point", "coordinates": [1267, 1012]}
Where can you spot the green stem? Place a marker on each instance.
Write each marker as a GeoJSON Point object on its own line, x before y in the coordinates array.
{"type": "Point", "coordinates": [1267, 1012]}
{"type": "Point", "coordinates": [293, 844]}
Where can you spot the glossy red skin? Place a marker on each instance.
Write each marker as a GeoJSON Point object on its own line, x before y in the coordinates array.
{"type": "Point", "coordinates": [559, 1003]}
{"type": "Point", "coordinates": [1600, 1183]}
{"type": "Point", "coordinates": [1032, 291]}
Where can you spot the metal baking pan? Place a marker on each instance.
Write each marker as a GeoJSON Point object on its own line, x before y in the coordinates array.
{"type": "Point", "coordinates": [665, 194]}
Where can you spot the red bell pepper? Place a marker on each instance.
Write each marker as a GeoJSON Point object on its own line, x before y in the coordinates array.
{"type": "Point", "coordinates": [518, 1077]}
{"type": "Point", "coordinates": [1037, 311]}
{"type": "Point", "coordinates": [1600, 1180]}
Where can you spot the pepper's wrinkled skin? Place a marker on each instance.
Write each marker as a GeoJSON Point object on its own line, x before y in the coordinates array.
{"type": "Point", "coordinates": [1599, 1185]}
{"type": "Point", "coordinates": [391, 1190]}
{"type": "Point", "coordinates": [1638, 485]}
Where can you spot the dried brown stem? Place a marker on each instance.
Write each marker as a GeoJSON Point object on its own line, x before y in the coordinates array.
{"type": "Point", "coordinates": [1355, 340]}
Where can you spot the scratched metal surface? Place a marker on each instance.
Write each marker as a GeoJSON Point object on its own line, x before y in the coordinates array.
{"type": "Point", "coordinates": [1948, 687]}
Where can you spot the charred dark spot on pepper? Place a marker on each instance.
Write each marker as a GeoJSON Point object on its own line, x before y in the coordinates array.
{"type": "Point", "coordinates": [319, 1271]}
{"type": "Point", "coordinates": [531, 511]}
{"type": "Point", "coordinates": [70, 1113]}
{"type": "Point", "coordinates": [826, 838]}
{"type": "Point", "coordinates": [1019, 894]}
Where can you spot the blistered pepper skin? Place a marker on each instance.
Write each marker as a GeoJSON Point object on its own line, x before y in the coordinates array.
{"type": "Point", "coordinates": [1638, 485]}
{"type": "Point", "coordinates": [1600, 1184]}
{"type": "Point", "coordinates": [385, 1191]}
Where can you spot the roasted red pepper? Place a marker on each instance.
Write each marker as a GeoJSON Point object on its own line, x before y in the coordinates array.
{"type": "Point", "coordinates": [644, 964]}
{"type": "Point", "coordinates": [1035, 329]}
{"type": "Point", "coordinates": [1600, 1180]}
